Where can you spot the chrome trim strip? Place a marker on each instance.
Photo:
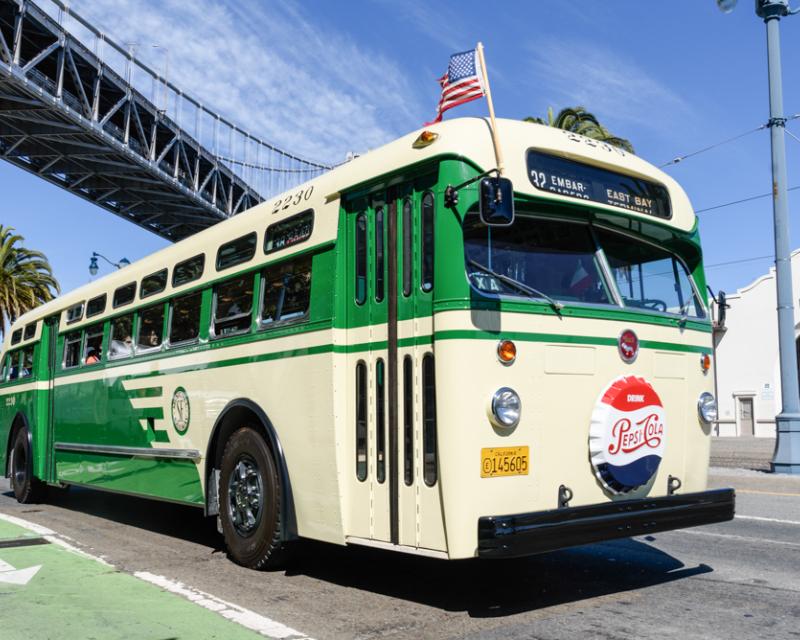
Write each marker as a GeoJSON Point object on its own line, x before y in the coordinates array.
{"type": "Point", "coordinates": [138, 452]}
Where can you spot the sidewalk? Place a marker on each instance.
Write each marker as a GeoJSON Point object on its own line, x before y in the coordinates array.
{"type": "Point", "coordinates": [52, 591]}
{"type": "Point", "coordinates": [743, 453]}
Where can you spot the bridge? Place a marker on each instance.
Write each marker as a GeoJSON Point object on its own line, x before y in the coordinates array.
{"type": "Point", "coordinates": [82, 112]}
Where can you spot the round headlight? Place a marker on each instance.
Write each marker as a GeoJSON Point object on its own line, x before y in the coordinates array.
{"type": "Point", "coordinates": [506, 407]}
{"type": "Point", "coordinates": [707, 407]}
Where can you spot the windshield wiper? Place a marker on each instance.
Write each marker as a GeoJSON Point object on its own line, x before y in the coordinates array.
{"type": "Point", "coordinates": [519, 286]}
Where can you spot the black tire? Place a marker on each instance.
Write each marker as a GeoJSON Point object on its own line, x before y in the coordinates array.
{"type": "Point", "coordinates": [250, 502]}
{"type": "Point", "coordinates": [27, 488]}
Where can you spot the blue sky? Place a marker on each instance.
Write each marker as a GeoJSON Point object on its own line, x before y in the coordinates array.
{"type": "Point", "coordinates": [324, 78]}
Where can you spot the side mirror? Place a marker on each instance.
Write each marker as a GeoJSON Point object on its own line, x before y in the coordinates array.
{"type": "Point", "coordinates": [496, 204]}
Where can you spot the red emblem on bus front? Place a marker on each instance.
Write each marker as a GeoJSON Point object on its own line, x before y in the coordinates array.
{"type": "Point", "coordinates": [628, 345]}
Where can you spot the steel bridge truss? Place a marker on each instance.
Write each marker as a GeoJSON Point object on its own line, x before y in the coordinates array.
{"type": "Point", "coordinates": [76, 122]}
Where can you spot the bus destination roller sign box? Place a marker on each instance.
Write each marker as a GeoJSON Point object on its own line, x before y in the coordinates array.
{"type": "Point", "coordinates": [576, 180]}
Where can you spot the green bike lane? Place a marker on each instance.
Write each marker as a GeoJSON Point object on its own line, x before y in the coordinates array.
{"type": "Point", "coordinates": [51, 590]}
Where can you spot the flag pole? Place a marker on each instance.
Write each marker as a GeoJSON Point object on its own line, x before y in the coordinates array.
{"type": "Point", "coordinates": [497, 151]}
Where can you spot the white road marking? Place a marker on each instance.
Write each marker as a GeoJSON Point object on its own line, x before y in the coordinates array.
{"type": "Point", "coordinates": [21, 577]}
{"type": "Point", "coordinates": [735, 537]}
{"type": "Point", "coordinates": [244, 617]}
{"type": "Point", "coordinates": [795, 522]}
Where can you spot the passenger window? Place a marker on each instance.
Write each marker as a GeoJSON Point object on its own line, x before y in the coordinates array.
{"type": "Point", "coordinates": [289, 232]}
{"type": "Point", "coordinates": [30, 331]}
{"type": "Point", "coordinates": [429, 466]}
{"type": "Point", "coordinates": [5, 369]}
{"type": "Point", "coordinates": [121, 337]}
{"type": "Point", "coordinates": [124, 295]}
{"type": "Point", "coordinates": [184, 323]}
{"type": "Point", "coordinates": [379, 261]}
{"type": "Point", "coordinates": [13, 365]}
{"type": "Point", "coordinates": [408, 422]}
{"type": "Point", "coordinates": [75, 313]}
{"type": "Point", "coordinates": [236, 251]}
{"type": "Point", "coordinates": [233, 306]}
{"type": "Point", "coordinates": [151, 328]}
{"type": "Point", "coordinates": [96, 306]}
{"type": "Point", "coordinates": [16, 336]}
{"type": "Point", "coordinates": [27, 362]}
{"type": "Point", "coordinates": [361, 258]}
{"type": "Point", "coordinates": [188, 270]}
{"type": "Point", "coordinates": [153, 284]}
{"type": "Point", "coordinates": [380, 418]}
{"type": "Point", "coordinates": [426, 258]}
{"type": "Point", "coordinates": [361, 421]}
{"type": "Point", "coordinates": [286, 291]}
{"type": "Point", "coordinates": [72, 349]}
{"type": "Point", "coordinates": [93, 351]}
{"type": "Point", "coordinates": [407, 248]}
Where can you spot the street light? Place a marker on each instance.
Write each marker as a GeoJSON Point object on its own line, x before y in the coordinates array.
{"type": "Point", "coordinates": [93, 268]}
{"type": "Point", "coordinates": [787, 422]}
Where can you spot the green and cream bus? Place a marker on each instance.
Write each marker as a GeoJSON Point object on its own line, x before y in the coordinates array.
{"type": "Point", "coordinates": [393, 355]}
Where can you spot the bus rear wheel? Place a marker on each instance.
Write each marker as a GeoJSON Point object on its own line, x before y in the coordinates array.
{"type": "Point", "coordinates": [250, 502]}
{"type": "Point", "coordinates": [27, 488]}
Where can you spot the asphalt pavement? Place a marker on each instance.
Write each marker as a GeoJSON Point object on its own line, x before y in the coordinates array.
{"type": "Point", "coordinates": [733, 580]}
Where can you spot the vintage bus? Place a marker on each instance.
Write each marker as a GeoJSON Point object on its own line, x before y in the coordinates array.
{"type": "Point", "coordinates": [384, 356]}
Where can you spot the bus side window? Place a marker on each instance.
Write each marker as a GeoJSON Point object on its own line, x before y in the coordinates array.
{"type": "Point", "coordinates": [361, 258]}
{"type": "Point", "coordinates": [408, 421]}
{"type": "Point", "coordinates": [27, 362]}
{"type": "Point", "coordinates": [407, 247]}
{"type": "Point", "coordinates": [233, 306]}
{"type": "Point", "coordinates": [151, 327]}
{"type": "Point", "coordinates": [121, 337]}
{"type": "Point", "coordinates": [5, 369]}
{"type": "Point", "coordinates": [184, 319]}
{"type": "Point", "coordinates": [286, 291]}
{"type": "Point", "coordinates": [379, 255]}
{"type": "Point", "coordinates": [93, 349]}
{"type": "Point", "coordinates": [72, 349]}
{"type": "Point", "coordinates": [13, 365]}
{"type": "Point", "coordinates": [426, 255]}
{"type": "Point", "coordinates": [361, 421]}
{"type": "Point", "coordinates": [429, 467]}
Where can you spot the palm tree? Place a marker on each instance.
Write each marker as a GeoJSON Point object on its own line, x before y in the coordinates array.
{"type": "Point", "coordinates": [26, 278]}
{"type": "Point", "coordinates": [579, 120]}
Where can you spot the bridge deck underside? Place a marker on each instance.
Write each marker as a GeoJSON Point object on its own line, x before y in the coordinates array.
{"type": "Point", "coordinates": [73, 121]}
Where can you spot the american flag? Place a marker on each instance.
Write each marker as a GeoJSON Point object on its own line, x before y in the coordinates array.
{"type": "Point", "coordinates": [462, 82]}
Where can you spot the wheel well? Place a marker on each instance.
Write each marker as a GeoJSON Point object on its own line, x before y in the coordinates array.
{"type": "Point", "coordinates": [19, 422]}
{"type": "Point", "coordinates": [240, 413]}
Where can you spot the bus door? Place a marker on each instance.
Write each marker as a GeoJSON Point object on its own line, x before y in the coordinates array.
{"type": "Point", "coordinates": [396, 496]}
{"type": "Point", "coordinates": [49, 344]}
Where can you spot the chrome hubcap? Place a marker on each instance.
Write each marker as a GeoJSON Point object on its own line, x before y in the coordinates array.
{"type": "Point", "coordinates": [245, 496]}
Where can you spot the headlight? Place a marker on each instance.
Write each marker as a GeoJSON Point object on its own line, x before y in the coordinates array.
{"type": "Point", "coordinates": [506, 407]}
{"type": "Point", "coordinates": [707, 407]}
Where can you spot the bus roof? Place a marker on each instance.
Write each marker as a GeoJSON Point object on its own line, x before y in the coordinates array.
{"type": "Point", "coordinates": [466, 138]}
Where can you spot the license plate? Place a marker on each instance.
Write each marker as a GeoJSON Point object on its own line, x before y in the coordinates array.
{"type": "Point", "coordinates": [504, 461]}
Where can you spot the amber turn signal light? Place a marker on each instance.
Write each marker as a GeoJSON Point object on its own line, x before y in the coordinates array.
{"type": "Point", "coordinates": [506, 351]}
{"type": "Point", "coordinates": [424, 139]}
{"type": "Point", "coordinates": [705, 362]}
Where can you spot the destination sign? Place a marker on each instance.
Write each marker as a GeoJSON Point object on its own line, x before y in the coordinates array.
{"type": "Point", "coordinates": [289, 232]}
{"type": "Point", "coordinates": [568, 178]}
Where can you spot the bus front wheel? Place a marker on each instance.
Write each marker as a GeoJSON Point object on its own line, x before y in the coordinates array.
{"type": "Point", "coordinates": [27, 488]}
{"type": "Point", "coordinates": [250, 501]}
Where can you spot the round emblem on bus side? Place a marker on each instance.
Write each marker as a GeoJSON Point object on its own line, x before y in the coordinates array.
{"type": "Point", "coordinates": [627, 435]}
{"type": "Point", "coordinates": [181, 411]}
{"type": "Point", "coordinates": [628, 345]}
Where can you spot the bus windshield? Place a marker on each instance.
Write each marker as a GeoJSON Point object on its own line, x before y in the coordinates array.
{"type": "Point", "coordinates": [563, 260]}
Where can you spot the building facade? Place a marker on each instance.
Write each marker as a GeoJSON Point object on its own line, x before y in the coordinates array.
{"type": "Point", "coordinates": [747, 366]}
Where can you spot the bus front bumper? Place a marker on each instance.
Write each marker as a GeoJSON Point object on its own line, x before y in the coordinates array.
{"type": "Point", "coordinates": [537, 532]}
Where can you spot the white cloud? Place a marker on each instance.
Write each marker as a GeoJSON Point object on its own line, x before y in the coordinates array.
{"type": "Point", "coordinates": [617, 89]}
{"type": "Point", "coordinates": [305, 87]}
